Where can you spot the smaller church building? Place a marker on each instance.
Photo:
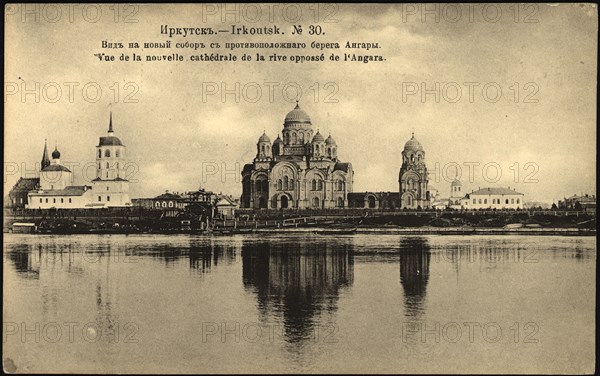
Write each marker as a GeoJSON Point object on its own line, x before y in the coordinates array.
{"type": "Point", "coordinates": [55, 189]}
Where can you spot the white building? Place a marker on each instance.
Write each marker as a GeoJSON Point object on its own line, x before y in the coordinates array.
{"type": "Point", "coordinates": [493, 198]}
{"type": "Point", "coordinates": [108, 189]}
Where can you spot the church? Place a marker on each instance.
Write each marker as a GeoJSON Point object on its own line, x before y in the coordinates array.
{"type": "Point", "coordinates": [300, 170]}
{"type": "Point", "coordinates": [109, 189]}
{"type": "Point", "coordinates": [413, 181]}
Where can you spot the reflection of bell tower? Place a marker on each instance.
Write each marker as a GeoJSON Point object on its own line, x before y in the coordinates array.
{"type": "Point", "coordinates": [296, 283]}
{"type": "Point", "coordinates": [415, 257]}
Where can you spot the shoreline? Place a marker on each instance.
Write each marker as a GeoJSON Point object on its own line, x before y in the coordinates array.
{"type": "Point", "coordinates": [328, 231]}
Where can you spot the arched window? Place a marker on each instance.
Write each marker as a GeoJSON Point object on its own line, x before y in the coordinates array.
{"type": "Point", "coordinates": [474, 201]}
{"type": "Point", "coordinates": [480, 201]}
{"type": "Point", "coordinates": [485, 200]}
{"type": "Point", "coordinates": [340, 185]}
{"type": "Point", "coordinates": [340, 202]}
{"type": "Point", "coordinates": [258, 186]}
{"type": "Point", "coordinates": [285, 183]}
{"type": "Point", "coordinates": [294, 139]}
{"type": "Point", "coordinates": [107, 165]}
{"type": "Point", "coordinates": [157, 204]}
{"type": "Point", "coordinates": [301, 138]}
{"type": "Point", "coordinates": [286, 138]}
{"type": "Point", "coordinates": [107, 153]}
{"type": "Point", "coordinates": [517, 201]}
{"type": "Point", "coordinates": [265, 186]}
{"type": "Point", "coordinates": [317, 149]}
{"type": "Point", "coordinates": [279, 185]}
{"type": "Point", "coordinates": [118, 153]}
{"type": "Point", "coordinates": [164, 204]}
{"type": "Point", "coordinates": [507, 201]}
{"type": "Point", "coordinates": [170, 204]}
{"type": "Point", "coordinates": [410, 200]}
{"type": "Point", "coordinates": [291, 183]}
{"type": "Point", "coordinates": [320, 187]}
{"type": "Point", "coordinates": [99, 153]}
{"type": "Point", "coordinates": [314, 185]}
{"type": "Point", "coordinates": [315, 202]}
{"type": "Point", "coordinates": [512, 200]}
{"type": "Point", "coordinates": [412, 157]}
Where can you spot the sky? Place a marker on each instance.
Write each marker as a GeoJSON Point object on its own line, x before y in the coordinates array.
{"type": "Point", "coordinates": [509, 90]}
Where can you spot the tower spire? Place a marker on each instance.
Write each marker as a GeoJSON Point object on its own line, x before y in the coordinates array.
{"type": "Point", "coordinates": [45, 158]}
{"type": "Point", "coordinates": [110, 128]}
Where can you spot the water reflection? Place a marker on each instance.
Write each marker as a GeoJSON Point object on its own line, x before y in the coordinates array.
{"type": "Point", "coordinates": [296, 283]}
{"type": "Point", "coordinates": [415, 257]}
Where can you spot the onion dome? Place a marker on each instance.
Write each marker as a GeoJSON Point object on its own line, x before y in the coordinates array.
{"type": "Point", "coordinates": [413, 144]}
{"type": "Point", "coordinates": [264, 138]}
{"type": "Point", "coordinates": [297, 115]}
{"type": "Point", "coordinates": [56, 153]}
{"type": "Point", "coordinates": [455, 183]}
{"type": "Point", "coordinates": [278, 140]}
{"type": "Point", "coordinates": [318, 137]}
{"type": "Point", "coordinates": [330, 140]}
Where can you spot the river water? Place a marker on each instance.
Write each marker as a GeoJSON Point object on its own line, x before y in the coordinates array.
{"type": "Point", "coordinates": [299, 303]}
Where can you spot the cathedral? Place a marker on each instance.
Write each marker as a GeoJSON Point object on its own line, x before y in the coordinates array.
{"type": "Point", "coordinates": [301, 170]}
{"type": "Point", "coordinates": [108, 189]}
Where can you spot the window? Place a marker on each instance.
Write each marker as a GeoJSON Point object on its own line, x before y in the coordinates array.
{"type": "Point", "coordinates": [164, 204]}
{"type": "Point", "coordinates": [107, 174]}
{"type": "Point", "coordinates": [46, 201]}
{"type": "Point", "coordinates": [99, 153]}
{"type": "Point", "coordinates": [62, 200]}
{"type": "Point", "coordinates": [157, 204]}
{"type": "Point", "coordinates": [507, 201]}
{"type": "Point", "coordinates": [517, 201]}
{"type": "Point", "coordinates": [320, 185]}
{"type": "Point", "coordinates": [52, 187]}
{"type": "Point", "coordinates": [54, 201]}
{"type": "Point", "coordinates": [258, 186]}
{"type": "Point", "coordinates": [279, 185]}
{"type": "Point", "coordinates": [340, 202]}
{"type": "Point", "coordinates": [485, 200]}
{"type": "Point", "coordinates": [69, 201]}
{"type": "Point", "coordinates": [170, 204]}
{"type": "Point", "coordinates": [474, 201]}
{"type": "Point", "coordinates": [99, 198]}
{"type": "Point", "coordinates": [294, 139]}
{"type": "Point", "coordinates": [315, 202]}
{"type": "Point", "coordinates": [107, 165]}
{"type": "Point", "coordinates": [107, 198]}
{"type": "Point", "coordinates": [40, 200]}
{"type": "Point", "coordinates": [302, 138]}
{"type": "Point", "coordinates": [480, 201]}
{"type": "Point", "coordinates": [118, 153]}
{"type": "Point", "coordinates": [107, 153]}
{"type": "Point", "coordinates": [286, 182]}
{"type": "Point", "coordinates": [512, 200]}
{"type": "Point", "coordinates": [314, 185]}
{"type": "Point", "coordinates": [107, 188]}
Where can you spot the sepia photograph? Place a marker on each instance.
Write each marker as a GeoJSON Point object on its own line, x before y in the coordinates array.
{"type": "Point", "coordinates": [299, 188]}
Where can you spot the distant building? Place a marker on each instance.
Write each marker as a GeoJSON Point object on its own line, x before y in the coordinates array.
{"type": "Point", "coordinates": [374, 200]}
{"type": "Point", "coordinates": [18, 195]}
{"type": "Point", "coordinates": [302, 170]}
{"type": "Point", "coordinates": [493, 198]}
{"type": "Point", "coordinates": [584, 202]}
{"type": "Point", "coordinates": [226, 206]}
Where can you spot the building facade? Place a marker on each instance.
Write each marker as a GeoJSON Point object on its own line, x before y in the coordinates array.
{"type": "Point", "coordinates": [413, 177]}
{"type": "Point", "coordinates": [108, 189]}
{"type": "Point", "coordinates": [300, 170]}
{"type": "Point", "coordinates": [493, 198]}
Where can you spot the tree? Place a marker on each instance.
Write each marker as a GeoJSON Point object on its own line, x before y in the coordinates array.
{"type": "Point", "coordinates": [554, 206]}
{"type": "Point", "coordinates": [578, 206]}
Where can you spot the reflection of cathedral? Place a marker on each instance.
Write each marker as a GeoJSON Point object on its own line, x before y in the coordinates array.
{"type": "Point", "coordinates": [415, 257]}
{"type": "Point", "coordinates": [297, 284]}
{"type": "Point", "coordinates": [300, 171]}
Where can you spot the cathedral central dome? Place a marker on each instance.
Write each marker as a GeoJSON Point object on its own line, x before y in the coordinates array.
{"type": "Point", "coordinates": [297, 115]}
